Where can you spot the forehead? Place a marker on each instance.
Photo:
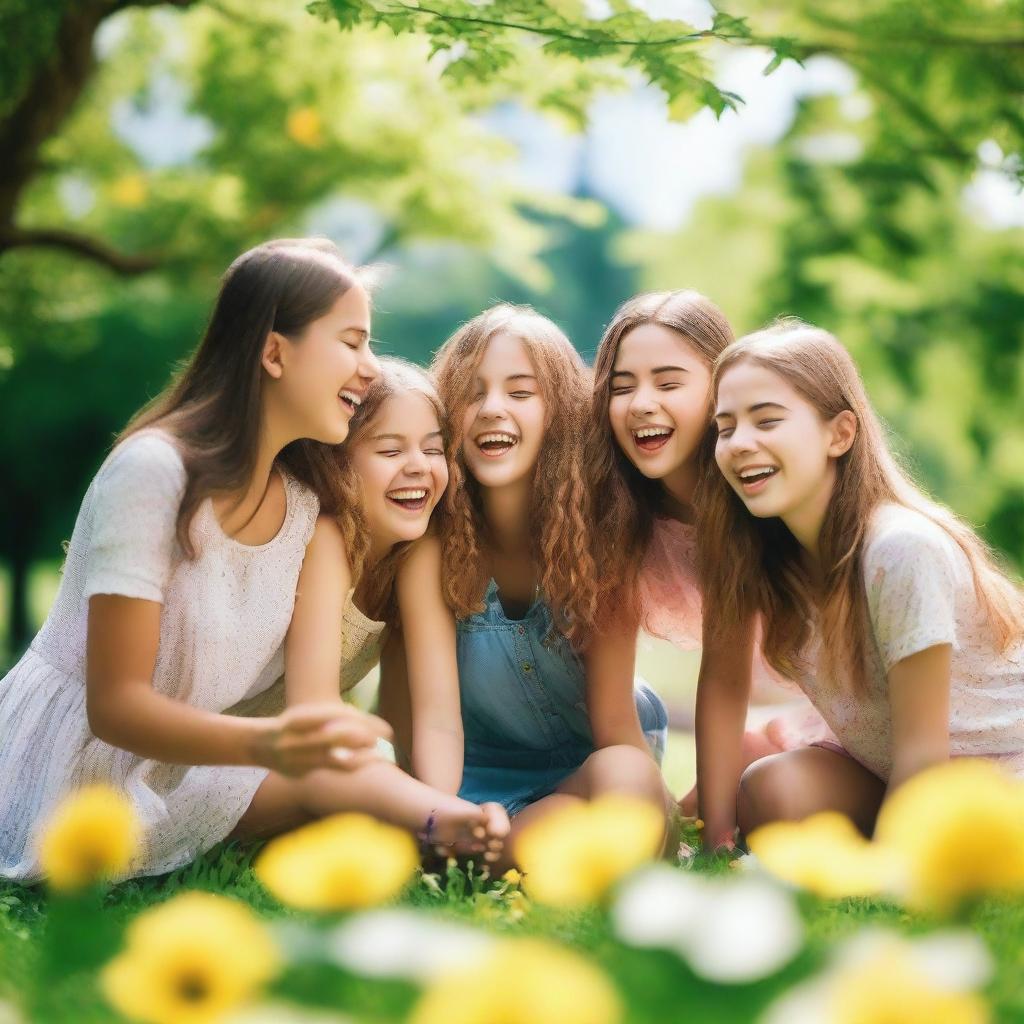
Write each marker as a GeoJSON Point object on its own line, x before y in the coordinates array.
{"type": "Point", "coordinates": [406, 412]}
{"type": "Point", "coordinates": [744, 384]}
{"type": "Point", "coordinates": [352, 309]}
{"type": "Point", "coordinates": [654, 344]}
{"type": "Point", "coordinates": [505, 355]}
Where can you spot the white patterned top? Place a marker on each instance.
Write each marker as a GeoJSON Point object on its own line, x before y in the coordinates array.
{"type": "Point", "coordinates": [222, 628]}
{"type": "Point", "coordinates": [920, 594]}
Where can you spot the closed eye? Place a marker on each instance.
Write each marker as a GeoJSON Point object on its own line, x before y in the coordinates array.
{"type": "Point", "coordinates": [622, 389]}
{"type": "Point", "coordinates": [433, 451]}
{"type": "Point", "coordinates": [768, 424]}
{"type": "Point", "coordinates": [725, 431]}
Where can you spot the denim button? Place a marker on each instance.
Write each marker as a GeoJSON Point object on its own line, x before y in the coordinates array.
{"type": "Point", "coordinates": [522, 630]}
{"type": "Point", "coordinates": [527, 667]}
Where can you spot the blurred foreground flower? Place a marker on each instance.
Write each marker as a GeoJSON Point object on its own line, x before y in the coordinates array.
{"type": "Point", "coordinates": [524, 981]}
{"type": "Point", "coordinates": [92, 836]}
{"type": "Point", "coordinates": [190, 960]}
{"type": "Point", "coordinates": [405, 944]}
{"type": "Point", "coordinates": [572, 857]}
{"type": "Point", "coordinates": [345, 862]}
{"type": "Point", "coordinates": [880, 978]}
{"type": "Point", "coordinates": [729, 930]}
{"type": "Point", "coordinates": [824, 854]}
{"type": "Point", "coordinates": [959, 828]}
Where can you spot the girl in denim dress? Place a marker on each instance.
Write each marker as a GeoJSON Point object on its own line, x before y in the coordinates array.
{"type": "Point", "coordinates": [543, 724]}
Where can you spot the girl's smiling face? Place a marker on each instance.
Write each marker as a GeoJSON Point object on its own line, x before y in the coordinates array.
{"type": "Point", "coordinates": [402, 468]}
{"type": "Point", "coordinates": [776, 450]}
{"type": "Point", "coordinates": [659, 405]}
{"type": "Point", "coordinates": [327, 369]}
{"type": "Point", "coordinates": [503, 425]}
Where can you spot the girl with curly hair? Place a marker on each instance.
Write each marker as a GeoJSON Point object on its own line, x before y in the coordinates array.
{"type": "Point", "coordinates": [888, 610]}
{"type": "Point", "coordinates": [514, 566]}
{"type": "Point", "coordinates": [391, 474]}
{"type": "Point", "coordinates": [650, 444]}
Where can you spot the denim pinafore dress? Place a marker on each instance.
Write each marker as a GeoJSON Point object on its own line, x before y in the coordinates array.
{"type": "Point", "coordinates": [524, 712]}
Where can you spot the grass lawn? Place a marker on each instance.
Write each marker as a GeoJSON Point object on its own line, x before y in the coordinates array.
{"type": "Point", "coordinates": [49, 958]}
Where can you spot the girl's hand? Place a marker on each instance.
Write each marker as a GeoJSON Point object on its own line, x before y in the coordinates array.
{"type": "Point", "coordinates": [311, 736]}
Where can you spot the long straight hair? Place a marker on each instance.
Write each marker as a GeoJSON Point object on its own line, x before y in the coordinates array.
{"type": "Point", "coordinates": [754, 565]}
{"type": "Point", "coordinates": [212, 408]}
{"type": "Point", "coordinates": [627, 502]}
{"type": "Point", "coordinates": [559, 497]}
{"type": "Point", "coordinates": [397, 377]}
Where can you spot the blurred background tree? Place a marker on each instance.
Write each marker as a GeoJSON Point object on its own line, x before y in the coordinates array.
{"type": "Point", "coordinates": [146, 145]}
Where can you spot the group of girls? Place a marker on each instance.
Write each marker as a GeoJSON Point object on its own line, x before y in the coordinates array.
{"type": "Point", "coordinates": [293, 510]}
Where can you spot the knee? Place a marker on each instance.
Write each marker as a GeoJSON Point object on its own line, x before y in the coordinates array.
{"type": "Point", "coordinates": [623, 767]}
{"type": "Point", "coordinates": [769, 790]}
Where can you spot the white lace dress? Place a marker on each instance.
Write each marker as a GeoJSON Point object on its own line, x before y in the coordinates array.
{"type": "Point", "coordinates": [361, 641]}
{"type": "Point", "coordinates": [222, 629]}
{"type": "Point", "coordinates": [920, 594]}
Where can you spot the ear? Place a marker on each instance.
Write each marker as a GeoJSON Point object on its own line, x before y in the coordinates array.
{"type": "Point", "coordinates": [272, 357]}
{"type": "Point", "coordinates": [844, 433]}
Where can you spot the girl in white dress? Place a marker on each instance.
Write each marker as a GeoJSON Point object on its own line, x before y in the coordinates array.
{"type": "Point", "coordinates": [393, 471]}
{"type": "Point", "coordinates": [887, 609]}
{"type": "Point", "coordinates": [180, 581]}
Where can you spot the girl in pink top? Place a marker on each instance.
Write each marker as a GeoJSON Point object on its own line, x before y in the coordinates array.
{"type": "Point", "coordinates": [651, 445]}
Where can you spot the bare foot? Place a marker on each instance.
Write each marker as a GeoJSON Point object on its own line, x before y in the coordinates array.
{"type": "Point", "coordinates": [459, 828]}
{"type": "Point", "coordinates": [496, 829]}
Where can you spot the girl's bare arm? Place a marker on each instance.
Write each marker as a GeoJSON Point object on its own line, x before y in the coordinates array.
{"type": "Point", "coordinates": [610, 661]}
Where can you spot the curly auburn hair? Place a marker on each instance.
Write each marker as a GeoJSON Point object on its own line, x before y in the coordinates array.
{"type": "Point", "coordinates": [752, 565]}
{"type": "Point", "coordinates": [559, 497]}
{"type": "Point", "coordinates": [397, 377]}
{"type": "Point", "coordinates": [624, 513]}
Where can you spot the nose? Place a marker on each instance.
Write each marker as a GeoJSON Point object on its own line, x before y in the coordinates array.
{"type": "Point", "coordinates": [740, 440]}
{"type": "Point", "coordinates": [369, 366]}
{"type": "Point", "coordinates": [643, 402]}
{"type": "Point", "coordinates": [493, 404]}
{"type": "Point", "coordinates": [416, 463]}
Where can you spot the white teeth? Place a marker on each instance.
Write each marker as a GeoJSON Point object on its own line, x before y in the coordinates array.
{"type": "Point", "coordinates": [410, 494]}
{"type": "Point", "coordinates": [652, 432]}
{"type": "Point", "coordinates": [755, 474]}
{"type": "Point", "coordinates": [350, 396]}
{"type": "Point", "coordinates": [497, 437]}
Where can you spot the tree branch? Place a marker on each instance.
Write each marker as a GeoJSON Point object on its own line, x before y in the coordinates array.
{"type": "Point", "coordinates": [80, 245]}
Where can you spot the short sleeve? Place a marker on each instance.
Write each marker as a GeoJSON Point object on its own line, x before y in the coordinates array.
{"type": "Point", "coordinates": [135, 500]}
{"type": "Point", "coordinates": [911, 580]}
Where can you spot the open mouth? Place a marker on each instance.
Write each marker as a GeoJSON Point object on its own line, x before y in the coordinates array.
{"type": "Point", "coordinates": [496, 443]}
{"type": "Point", "coordinates": [756, 478]}
{"type": "Point", "coordinates": [350, 399]}
{"type": "Point", "coordinates": [412, 499]}
{"type": "Point", "coordinates": [652, 439]}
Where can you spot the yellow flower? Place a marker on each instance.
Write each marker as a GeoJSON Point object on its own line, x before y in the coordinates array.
{"type": "Point", "coordinates": [824, 854]}
{"type": "Point", "coordinates": [573, 856]}
{"type": "Point", "coordinates": [305, 127]}
{"type": "Point", "coordinates": [512, 876]}
{"type": "Point", "coordinates": [190, 960]}
{"type": "Point", "coordinates": [889, 989]}
{"type": "Point", "coordinates": [547, 984]}
{"type": "Point", "coordinates": [959, 827]}
{"type": "Point", "coordinates": [130, 191]}
{"type": "Point", "coordinates": [344, 862]}
{"type": "Point", "coordinates": [92, 835]}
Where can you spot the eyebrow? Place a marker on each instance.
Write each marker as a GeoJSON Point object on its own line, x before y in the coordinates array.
{"type": "Point", "coordinates": [361, 331]}
{"type": "Point", "coordinates": [521, 376]}
{"type": "Point", "coordinates": [656, 370]}
{"type": "Point", "coordinates": [401, 437]}
{"type": "Point", "coordinates": [753, 408]}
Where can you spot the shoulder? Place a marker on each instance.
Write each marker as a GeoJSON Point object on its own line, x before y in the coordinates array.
{"type": "Point", "coordinates": [327, 538]}
{"type": "Point", "coordinates": [149, 459]}
{"type": "Point", "coordinates": [902, 537]}
{"type": "Point", "coordinates": [422, 561]}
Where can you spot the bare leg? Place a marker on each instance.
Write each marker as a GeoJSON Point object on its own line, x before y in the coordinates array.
{"type": "Point", "coordinates": [393, 702]}
{"type": "Point", "coordinates": [378, 788]}
{"type": "Point", "coordinates": [797, 783]}
{"type": "Point", "coordinates": [620, 769]}
{"type": "Point", "coordinates": [756, 744]}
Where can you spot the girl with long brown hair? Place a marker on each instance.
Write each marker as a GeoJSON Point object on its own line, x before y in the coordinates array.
{"type": "Point", "coordinates": [888, 610]}
{"type": "Point", "coordinates": [392, 473]}
{"type": "Point", "coordinates": [180, 577]}
{"type": "Point", "coordinates": [516, 570]}
{"type": "Point", "coordinates": [651, 442]}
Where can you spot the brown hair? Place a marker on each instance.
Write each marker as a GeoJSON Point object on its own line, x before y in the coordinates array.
{"type": "Point", "coordinates": [626, 502]}
{"type": "Point", "coordinates": [559, 496]}
{"type": "Point", "coordinates": [754, 565]}
{"type": "Point", "coordinates": [212, 409]}
{"type": "Point", "coordinates": [397, 377]}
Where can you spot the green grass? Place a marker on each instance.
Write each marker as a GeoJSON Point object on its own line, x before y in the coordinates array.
{"type": "Point", "coordinates": [49, 959]}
